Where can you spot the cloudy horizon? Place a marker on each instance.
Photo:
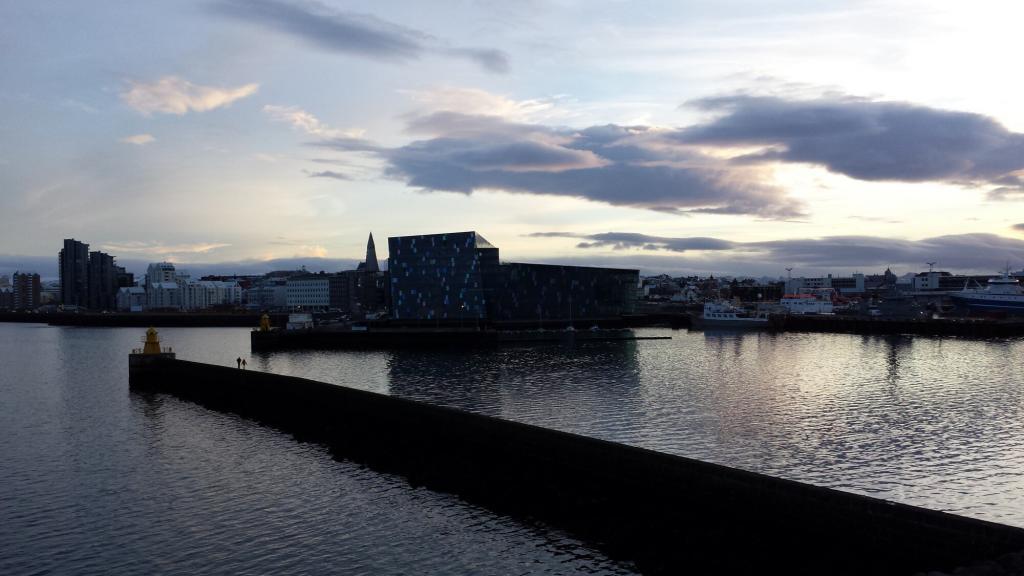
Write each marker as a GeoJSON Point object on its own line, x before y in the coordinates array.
{"type": "Point", "coordinates": [739, 138]}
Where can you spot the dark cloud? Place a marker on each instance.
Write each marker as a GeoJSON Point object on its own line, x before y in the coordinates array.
{"type": "Point", "coordinates": [962, 252]}
{"type": "Point", "coordinates": [330, 174]}
{"type": "Point", "coordinates": [347, 144]}
{"type": "Point", "coordinates": [351, 33]}
{"type": "Point", "coordinates": [867, 140]}
{"type": "Point", "coordinates": [673, 171]}
{"type": "Point", "coordinates": [623, 240]}
{"type": "Point", "coordinates": [608, 164]}
{"type": "Point", "coordinates": [1018, 227]}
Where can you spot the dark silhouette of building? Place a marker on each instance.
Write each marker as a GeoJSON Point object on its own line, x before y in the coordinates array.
{"type": "Point", "coordinates": [371, 264]}
{"type": "Point", "coordinates": [26, 289]}
{"type": "Point", "coordinates": [74, 273]}
{"type": "Point", "coordinates": [361, 291]}
{"type": "Point", "coordinates": [543, 291]}
{"type": "Point", "coordinates": [458, 276]}
{"type": "Point", "coordinates": [103, 281]}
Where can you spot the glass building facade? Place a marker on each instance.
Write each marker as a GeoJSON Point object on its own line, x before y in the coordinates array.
{"type": "Point", "coordinates": [441, 276]}
{"type": "Point", "coordinates": [546, 292]}
{"type": "Point", "coordinates": [457, 276]}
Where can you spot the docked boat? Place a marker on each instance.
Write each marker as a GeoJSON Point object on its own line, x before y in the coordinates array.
{"type": "Point", "coordinates": [1001, 294]}
{"type": "Point", "coordinates": [726, 315]}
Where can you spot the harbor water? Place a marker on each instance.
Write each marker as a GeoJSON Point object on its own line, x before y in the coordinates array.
{"type": "Point", "coordinates": [97, 479]}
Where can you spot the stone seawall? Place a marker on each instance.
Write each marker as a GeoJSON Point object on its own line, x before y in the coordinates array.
{"type": "Point", "coordinates": [666, 513]}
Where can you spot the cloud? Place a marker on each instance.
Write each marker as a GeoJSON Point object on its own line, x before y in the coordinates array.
{"type": "Point", "coordinates": [308, 123]}
{"type": "Point", "coordinates": [476, 102]}
{"type": "Point", "coordinates": [970, 252]}
{"type": "Point", "coordinates": [720, 166]}
{"type": "Point", "coordinates": [618, 165]}
{"type": "Point", "coordinates": [351, 33]}
{"type": "Point", "coordinates": [159, 249]}
{"type": "Point", "coordinates": [625, 240]}
{"type": "Point", "coordinates": [1018, 227]}
{"type": "Point", "coordinates": [174, 95]}
{"type": "Point", "coordinates": [866, 139]}
{"type": "Point", "coordinates": [349, 144]}
{"type": "Point", "coordinates": [138, 139]}
{"type": "Point", "coordinates": [330, 174]}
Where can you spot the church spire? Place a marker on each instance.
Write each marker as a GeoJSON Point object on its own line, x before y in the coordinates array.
{"type": "Point", "coordinates": [371, 264]}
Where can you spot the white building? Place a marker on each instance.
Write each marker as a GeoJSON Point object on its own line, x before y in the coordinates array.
{"type": "Point", "coordinates": [850, 285]}
{"type": "Point", "coordinates": [160, 272]}
{"type": "Point", "coordinates": [131, 299]}
{"type": "Point", "coordinates": [163, 295]}
{"type": "Point", "coordinates": [268, 294]}
{"type": "Point", "coordinates": [201, 294]}
{"type": "Point", "coordinates": [309, 292]}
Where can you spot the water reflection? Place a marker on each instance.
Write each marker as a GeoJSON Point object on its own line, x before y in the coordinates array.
{"type": "Point", "coordinates": [573, 387]}
{"type": "Point", "coordinates": [96, 479]}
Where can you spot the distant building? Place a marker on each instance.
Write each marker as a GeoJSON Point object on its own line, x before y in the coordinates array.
{"type": "Point", "coordinates": [131, 299]}
{"type": "Point", "coordinates": [202, 294]}
{"type": "Point", "coordinates": [6, 298]}
{"type": "Point", "coordinates": [440, 276]}
{"type": "Point", "coordinates": [102, 281]}
{"type": "Point", "coordinates": [163, 296]}
{"type": "Point", "coordinates": [50, 293]}
{"type": "Point", "coordinates": [458, 276]}
{"type": "Point", "coordinates": [74, 273]}
{"type": "Point", "coordinates": [370, 264]}
{"type": "Point", "coordinates": [848, 285]}
{"type": "Point", "coordinates": [543, 291]}
{"type": "Point", "coordinates": [943, 281]}
{"type": "Point", "coordinates": [26, 291]}
{"type": "Point", "coordinates": [160, 272]}
{"type": "Point", "coordinates": [362, 291]}
{"type": "Point", "coordinates": [163, 291]}
{"type": "Point", "coordinates": [5, 282]}
{"type": "Point", "coordinates": [268, 294]}
{"type": "Point", "coordinates": [309, 292]}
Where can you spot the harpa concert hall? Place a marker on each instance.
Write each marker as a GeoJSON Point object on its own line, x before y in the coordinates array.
{"type": "Point", "coordinates": [458, 277]}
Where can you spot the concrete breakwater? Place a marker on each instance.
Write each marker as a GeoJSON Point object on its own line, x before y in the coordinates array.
{"type": "Point", "coordinates": [668, 514]}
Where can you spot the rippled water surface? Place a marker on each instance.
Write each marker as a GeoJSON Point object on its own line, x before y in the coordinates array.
{"type": "Point", "coordinates": [99, 477]}
{"type": "Point", "coordinates": [97, 480]}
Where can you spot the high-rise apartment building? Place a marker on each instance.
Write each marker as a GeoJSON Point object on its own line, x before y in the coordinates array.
{"type": "Point", "coordinates": [27, 290]}
{"type": "Point", "coordinates": [103, 277]}
{"type": "Point", "coordinates": [74, 273]}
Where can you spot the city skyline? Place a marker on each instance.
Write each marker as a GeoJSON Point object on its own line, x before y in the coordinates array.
{"type": "Point", "coordinates": [738, 138]}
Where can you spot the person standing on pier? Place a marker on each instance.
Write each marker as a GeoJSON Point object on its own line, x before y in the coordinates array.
{"type": "Point", "coordinates": [239, 361]}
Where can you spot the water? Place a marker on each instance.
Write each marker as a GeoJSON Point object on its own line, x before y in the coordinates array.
{"type": "Point", "coordinates": [96, 478]}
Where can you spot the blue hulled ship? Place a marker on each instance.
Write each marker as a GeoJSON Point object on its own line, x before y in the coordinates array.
{"type": "Point", "coordinates": [1003, 293]}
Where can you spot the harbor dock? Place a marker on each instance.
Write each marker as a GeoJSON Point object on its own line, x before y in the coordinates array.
{"type": "Point", "coordinates": [667, 514]}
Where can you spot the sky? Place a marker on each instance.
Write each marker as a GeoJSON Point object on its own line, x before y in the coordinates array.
{"type": "Point", "coordinates": [727, 137]}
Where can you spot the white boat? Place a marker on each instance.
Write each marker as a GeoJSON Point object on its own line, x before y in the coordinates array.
{"type": "Point", "coordinates": [1003, 293]}
{"type": "Point", "coordinates": [726, 315]}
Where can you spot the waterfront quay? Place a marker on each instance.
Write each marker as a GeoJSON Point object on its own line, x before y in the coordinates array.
{"type": "Point", "coordinates": [666, 513]}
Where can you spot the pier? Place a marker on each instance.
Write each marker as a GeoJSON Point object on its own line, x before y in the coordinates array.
{"type": "Point", "coordinates": [666, 513]}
